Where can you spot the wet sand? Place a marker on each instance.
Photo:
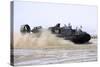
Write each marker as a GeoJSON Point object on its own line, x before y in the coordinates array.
{"type": "Point", "coordinates": [52, 56]}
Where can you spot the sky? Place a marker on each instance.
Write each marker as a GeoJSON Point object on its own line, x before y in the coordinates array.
{"type": "Point", "coordinates": [49, 14]}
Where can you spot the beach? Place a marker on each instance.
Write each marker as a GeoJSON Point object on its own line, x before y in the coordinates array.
{"type": "Point", "coordinates": [46, 48]}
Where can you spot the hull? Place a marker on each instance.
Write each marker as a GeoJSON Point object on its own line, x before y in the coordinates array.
{"type": "Point", "coordinates": [82, 38]}
{"type": "Point", "coordinates": [79, 39]}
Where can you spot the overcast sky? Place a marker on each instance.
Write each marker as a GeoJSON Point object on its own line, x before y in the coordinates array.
{"type": "Point", "coordinates": [48, 14]}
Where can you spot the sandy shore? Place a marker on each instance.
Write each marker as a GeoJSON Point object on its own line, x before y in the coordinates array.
{"type": "Point", "coordinates": [34, 56]}
{"type": "Point", "coordinates": [46, 48]}
{"type": "Point", "coordinates": [52, 56]}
